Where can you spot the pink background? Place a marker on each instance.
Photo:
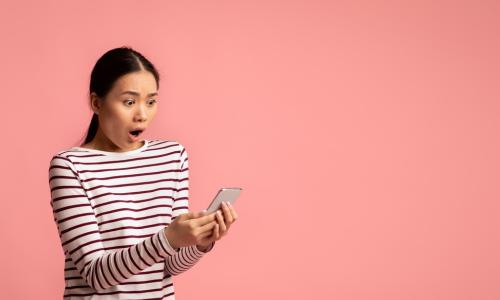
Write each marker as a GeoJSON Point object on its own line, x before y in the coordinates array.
{"type": "Point", "coordinates": [365, 135]}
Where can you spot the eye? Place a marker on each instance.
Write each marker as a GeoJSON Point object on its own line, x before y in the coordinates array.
{"type": "Point", "coordinates": [153, 101]}
{"type": "Point", "coordinates": [127, 101]}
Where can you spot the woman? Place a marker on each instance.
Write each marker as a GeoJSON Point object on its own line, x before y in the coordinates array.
{"type": "Point", "coordinates": [120, 202]}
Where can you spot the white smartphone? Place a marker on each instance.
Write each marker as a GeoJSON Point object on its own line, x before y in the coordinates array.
{"type": "Point", "coordinates": [224, 194]}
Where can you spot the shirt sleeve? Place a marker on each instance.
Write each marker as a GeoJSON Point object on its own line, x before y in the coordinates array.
{"type": "Point", "coordinates": [188, 256]}
{"type": "Point", "coordinates": [80, 237]}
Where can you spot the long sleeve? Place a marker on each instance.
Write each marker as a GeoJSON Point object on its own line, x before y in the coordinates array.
{"type": "Point", "coordinates": [186, 257]}
{"type": "Point", "coordinates": [80, 237]}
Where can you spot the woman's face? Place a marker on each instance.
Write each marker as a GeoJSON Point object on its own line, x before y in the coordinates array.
{"type": "Point", "coordinates": [131, 104]}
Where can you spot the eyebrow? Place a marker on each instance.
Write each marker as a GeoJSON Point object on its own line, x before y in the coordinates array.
{"type": "Point", "coordinates": [137, 94]}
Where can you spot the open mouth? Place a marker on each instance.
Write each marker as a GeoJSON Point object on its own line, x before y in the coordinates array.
{"type": "Point", "coordinates": [135, 132]}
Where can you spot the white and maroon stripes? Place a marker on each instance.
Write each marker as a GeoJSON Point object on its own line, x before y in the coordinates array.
{"type": "Point", "coordinates": [111, 210]}
{"type": "Point", "coordinates": [187, 256]}
{"type": "Point", "coordinates": [181, 193]}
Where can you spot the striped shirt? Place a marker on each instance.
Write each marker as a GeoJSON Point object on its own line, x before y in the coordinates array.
{"type": "Point", "coordinates": [111, 209]}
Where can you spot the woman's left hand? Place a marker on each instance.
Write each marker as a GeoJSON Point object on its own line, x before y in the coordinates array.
{"type": "Point", "coordinates": [225, 217]}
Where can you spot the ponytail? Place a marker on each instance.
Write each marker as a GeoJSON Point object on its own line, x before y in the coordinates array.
{"type": "Point", "coordinates": [94, 124]}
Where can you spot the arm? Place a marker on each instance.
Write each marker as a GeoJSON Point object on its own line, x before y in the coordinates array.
{"type": "Point", "coordinates": [186, 257]}
{"type": "Point", "coordinates": [79, 233]}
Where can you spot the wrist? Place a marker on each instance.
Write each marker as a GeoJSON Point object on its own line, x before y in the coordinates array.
{"type": "Point", "coordinates": [168, 236]}
{"type": "Point", "coordinates": [205, 248]}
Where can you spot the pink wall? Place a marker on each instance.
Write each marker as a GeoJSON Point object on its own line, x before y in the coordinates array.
{"type": "Point", "coordinates": [365, 135]}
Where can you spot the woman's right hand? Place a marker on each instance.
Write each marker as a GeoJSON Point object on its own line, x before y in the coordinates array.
{"type": "Point", "coordinates": [189, 228]}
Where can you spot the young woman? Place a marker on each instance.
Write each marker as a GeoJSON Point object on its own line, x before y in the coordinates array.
{"type": "Point", "coordinates": [120, 202]}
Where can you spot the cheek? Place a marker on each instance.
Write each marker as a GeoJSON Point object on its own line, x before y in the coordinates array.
{"type": "Point", "coordinates": [111, 128]}
{"type": "Point", "coordinates": [153, 112]}
{"type": "Point", "coordinates": [116, 122]}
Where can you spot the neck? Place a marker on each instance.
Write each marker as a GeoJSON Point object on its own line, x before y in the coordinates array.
{"type": "Point", "coordinates": [103, 143]}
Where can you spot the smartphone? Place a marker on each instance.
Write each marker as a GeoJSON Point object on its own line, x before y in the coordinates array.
{"type": "Point", "coordinates": [224, 194]}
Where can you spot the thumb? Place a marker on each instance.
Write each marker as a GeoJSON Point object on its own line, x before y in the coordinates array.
{"type": "Point", "coordinates": [199, 214]}
{"type": "Point", "coordinates": [187, 216]}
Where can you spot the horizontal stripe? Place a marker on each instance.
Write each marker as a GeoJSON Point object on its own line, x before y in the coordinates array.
{"type": "Point", "coordinates": [142, 166]}
{"type": "Point", "coordinates": [111, 212]}
{"type": "Point", "coordinates": [71, 206]}
{"type": "Point", "coordinates": [136, 192]}
{"type": "Point", "coordinates": [134, 227]}
{"type": "Point", "coordinates": [123, 283]}
{"type": "Point", "coordinates": [132, 201]}
{"type": "Point", "coordinates": [139, 291]}
{"type": "Point", "coordinates": [132, 209]}
{"type": "Point", "coordinates": [124, 161]}
{"type": "Point", "coordinates": [136, 174]}
{"type": "Point", "coordinates": [134, 184]}
{"type": "Point", "coordinates": [132, 218]}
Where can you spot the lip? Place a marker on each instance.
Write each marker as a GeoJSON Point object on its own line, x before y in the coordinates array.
{"type": "Point", "coordinates": [138, 128]}
{"type": "Point", "coordinates": [134, 138]}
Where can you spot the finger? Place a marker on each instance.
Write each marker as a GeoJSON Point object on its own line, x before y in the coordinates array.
{"type": "Point", "coordinates": [216, 232]}
{"type": "Point", "coordinates": [198, 214]}
{"type": "Point", "coordinates": [233, 212]}
{"type": "Point", "coordinates": [228, 217]}
{"type": "Point", "coordinates": [213, 232]}
{"type": "Point", "coordinates": [209, 236]}
{"type": "Point", "coordinates": [206, 234]}
{"type": "Point", "coordinates": [204, 219]}
{"type": "Point", "coordinates": [183, 217]}
{"type": "Point", "coordinates": [221, 223]}
{"type": "Point", "coordinates": [205, 228]}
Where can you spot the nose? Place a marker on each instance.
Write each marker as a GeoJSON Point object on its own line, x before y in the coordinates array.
{"type": "Point", "coordinates": [140, 114]}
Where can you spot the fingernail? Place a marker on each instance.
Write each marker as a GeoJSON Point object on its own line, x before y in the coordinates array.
{"type": "Point", "coordinates": [229, 203]}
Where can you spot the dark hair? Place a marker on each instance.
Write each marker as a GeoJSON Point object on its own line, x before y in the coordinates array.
{"type": "Point", "coordinates": [108, 68]}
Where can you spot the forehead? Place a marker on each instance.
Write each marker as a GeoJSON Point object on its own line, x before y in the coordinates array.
{"type": "Point", "coordinates": [142, 82]}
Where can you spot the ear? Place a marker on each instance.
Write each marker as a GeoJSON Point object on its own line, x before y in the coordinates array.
{"type": "Point", "coordinates": [95, 103]}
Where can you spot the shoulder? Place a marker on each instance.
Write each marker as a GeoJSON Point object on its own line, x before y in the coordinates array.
{"type": "Point", "coordinates": [63, 157]}
{"type": "Point", "coordinates": [171, 145]}
{"type": "Point", "coordinates": [60, 163]}
{"type": "Point", "coordinates": [64, 153]}
{"type": "Point", "coordinates": [171, 148]}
